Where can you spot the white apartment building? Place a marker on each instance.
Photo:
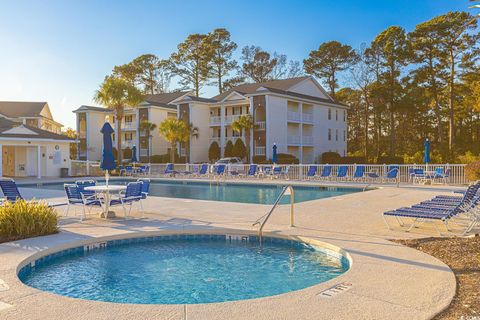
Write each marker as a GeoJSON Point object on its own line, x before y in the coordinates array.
{"type": "Point", "coordinates": [296, 114]}
{"type": "Point", "coordinates": [154, 109]}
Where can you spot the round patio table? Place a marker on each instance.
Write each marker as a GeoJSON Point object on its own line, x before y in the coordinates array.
{"type": "Point", "coordinates": [106, 191]}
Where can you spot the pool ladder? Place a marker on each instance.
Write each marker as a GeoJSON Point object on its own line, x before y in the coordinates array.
{"type": "Point", "coordinates": [287, 190]}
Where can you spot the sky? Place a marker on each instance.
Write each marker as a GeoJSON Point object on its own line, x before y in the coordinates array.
{"type": "Point", "coordinates": [59, 51]}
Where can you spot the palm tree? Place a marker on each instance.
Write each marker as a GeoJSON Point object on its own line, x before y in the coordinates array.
{"type": "Point", "coordinates": [244, 123]}
{"type": "Point", "coordinates": [174, 131]}
{"type": "Point", "coordinates": [148, 127]}
{"type": "Point", "coordinates": [116, 94]}
{"type": "Point", "coordinates": [193, 134]}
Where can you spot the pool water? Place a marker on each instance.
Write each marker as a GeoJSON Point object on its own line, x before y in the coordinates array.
{"type": "Point", "coordinates": [245, 193]}
{"type": "Point", "coordinates": [185, 269]}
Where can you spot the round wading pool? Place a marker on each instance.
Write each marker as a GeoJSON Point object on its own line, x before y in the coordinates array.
{"type": "Point", "coordinates": [183, 269]}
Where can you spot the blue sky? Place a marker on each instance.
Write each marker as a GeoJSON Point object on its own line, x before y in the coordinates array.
{"type": "Point", "coordinates": [60, 51]}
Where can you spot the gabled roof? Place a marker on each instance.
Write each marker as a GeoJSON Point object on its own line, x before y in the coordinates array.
{"type": "Point", "coordinates": [92, 108]}
{"type": "Point", "coordinates": [165, 99]}
{"type": "Point", "coordinates": [11, 129]}
{"type": "Point", "coordinates": [17, 109]}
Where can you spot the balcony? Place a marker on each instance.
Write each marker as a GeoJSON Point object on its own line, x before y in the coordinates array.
{"type": "Point", "coordinates": [307, 140]}
{"type": "Point", "coordinates": [143, 152]}
{"type": "Point", "coordinates": [307, 117]}
{"type": "Point", "coordinates": [127, 144]}
{"type": "Point", "coordinates": [230, 119]}
{"type": "Point", "coordinates": [293, 116]}
{"type": "Point", "coordinates": [215, 139]}
{"type": "Point", "coordinates": [215, 121]}
{"type": "Point", "coordinates": [293, 140]}
{"type": "Point", "coordinates": [260, 151]}
{"type": "Point", "coordinates": [128, 126]}
{"type": "Point", "coordinates": [234, 138]}
{"type": "Point", "coordinates": [260, 125]}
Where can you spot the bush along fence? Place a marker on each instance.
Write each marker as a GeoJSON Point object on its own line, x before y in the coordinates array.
{"type": "Point", "coordinates": [454, 174]}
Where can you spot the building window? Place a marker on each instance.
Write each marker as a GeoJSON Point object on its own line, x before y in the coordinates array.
{"type": "Point", "coordinates": [128, 119]}
{"type": "Point", "coordinates": [344, 115]}
{"type": "Point", "coordinates": [329, 114]}
{"type": "Point", "coordinates": [336, 115]}
{"type": "Point", "coordinates": [336, 134]}
{"type": "Point", "coordinates": [329, 134]}
{"type": "Point", "coordinates": [128, 136]}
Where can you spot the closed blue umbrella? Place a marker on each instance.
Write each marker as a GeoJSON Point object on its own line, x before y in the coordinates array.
{"type": "Point", "coordinates": [134, 154]}
{"type": "Point", "coordinates": [426, 151]}
{"type": "Point", "coordinates": [108, 160]}
{"type": "Point", "coordinates": [274, 154]}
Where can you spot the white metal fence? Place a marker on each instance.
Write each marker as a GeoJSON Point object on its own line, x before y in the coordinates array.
{"type": "Point", "coordinates": [456, 172]}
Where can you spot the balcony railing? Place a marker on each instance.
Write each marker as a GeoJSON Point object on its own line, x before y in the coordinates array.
{"type": "Point", "coordinates": [293, 116]}
{"type": "Point", "coordinates": [259, 151]}
{"type": "Point", "coordinates": [230, 119]}
{"type": "Point", "coordinates": [293, 139]}
{"type": "Point", "coordinates": [215, 120]}
{"type": "Point", "coordinates": [129, 126]}
{"type": "Point", "coordinates": [127, 144]}
{"type": "Point", "coordinates": [307, 117]}
{"type": "Point", "coordinates": [307, 140]}
{"type": "Point", "coordinates": [260, 125]}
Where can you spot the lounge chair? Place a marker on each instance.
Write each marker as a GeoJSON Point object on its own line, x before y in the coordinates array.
{"type": "Point", "coordinates": [431, 211]}
{"type": "Point", "coordinates": [143, 170]}
{"type": "Point", "coordinates": [219, 170]}
{"type": "Point", "coordinates": [326, 172]}
{"type": "Point", "coordinates": [341, 173]}
{"type": "Point", "coordinates": [252, 171]}
{"type": "Point", "coordinates": [202, 171]}
{"type": "Point", "coordinates": [390, 176]}
{"type": "Point", "coordinates": [10, 190]}
{"type": "Point", "coordinates": [132, 194]}
{"type": "Point", "coordinates": [169, 170]}
{"type": "Point", "coordinates": [359, 173]}
{"type": "Point", "coordinates": [76, 197]}
{"type": "Point", "coordinates": [145, 189]}
{"type": "Point", "coordinates": [312, 171]}
{"type": "Point", "coordinates": [128, 170]}
{"type": "Point", "coordinates": [441, 174]}
{"type": "Point", "coordinates": [276, 172]}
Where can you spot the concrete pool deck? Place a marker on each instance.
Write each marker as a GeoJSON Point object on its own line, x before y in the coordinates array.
{"type": "Point", "coordinates": [388, 280]}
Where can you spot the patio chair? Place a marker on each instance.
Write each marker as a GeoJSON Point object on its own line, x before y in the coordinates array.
{"type": "Point", "coordinates": [10, 190]}
{"type": "Point", "coordinates": [132, 194]}
{"type": "Point", "coordinates": [169, 171]}
{"type": "Point", "coordinates": [202, 171]}
{"type": "Point", "coordinates": [276, 172]}
{"type": "Point", "coordinates": [82, 184]}
{"type": "Point", "coordinates": [312, 171]}
{"type": "Point", "coordinates": [326, 172]}
{"type": "Point", "coordinates": [145, 189]}
{"type": "Point", "coordinates": [76, 197]}
{"type": "Point", "coordinates": [128, 170]}
{"type": "Point", "coordinates": [121, 170]}
{"type": "Point", "coordinates": [417, 175]}
{"type": "Point", "coordinates": [252, 171]}
{"type": "Point", "coordinates": [219, 170]}
{"type": "Point", "coordinates": [359, 173]}
{"type": "Point", "coordinates": [441, 174]}
{"type": "Point", "coordinates": [392, 174]}
{"type": "Point", "coordinates": [143, 170]}
{"type": "Point", "coordinates": [341, 173]}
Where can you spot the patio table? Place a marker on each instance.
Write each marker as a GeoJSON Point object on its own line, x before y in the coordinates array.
{"type": "Point", "coordinates": [106, 191]}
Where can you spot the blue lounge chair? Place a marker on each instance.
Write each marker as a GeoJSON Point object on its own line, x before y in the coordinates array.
{"type": "Point", "coordinates": [202, 171]}
{"type": "Point", "coordinates": [392, 173]}
{"type": "Point", "coordinates": [132, 194]}
{"type": "Point", "coordinates": [219, 170]}
{"type": "Point", "coordinates": [128, 170]}
{"type": "Point", "coordinates": [417, 175]}
{"type": "Point", "coordinates": [441, 174]}
{"type": "Point", "coordinates": [431, 211]}
{"type": "Point", "coordinates": [359, 173]}
{"type": "Point", "coordinates": [326, 172]}
{"type": "Point", "coordinates": [342, 172]}
{"type": "Point", "coordinates": [276, 172]}
{"type": "Point", "coordinates": [312, 171]}
{"type": "Point", "coordinates": [169, 170]}
{"type": "Point", "coordinates": [143, 170]}
{"type": "Point", "coordinates": [10, 190]}
{"type": "Point", "coordinates": [76, 197]}
{"type": "Point", "coordinates": [252, 170]}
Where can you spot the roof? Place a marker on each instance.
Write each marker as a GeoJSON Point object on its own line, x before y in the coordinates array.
{"type": "Point", "coordinates": [16, 109]}
{"type": "Point", "coordinates": [276, 86]}
{"type": "Point", "coordinates": [199, 99]}
{"type": "Point", "coordinates": [164, 99]}
{"type": "Point", "coordinates": [6, 125]}
{"type": "Point", "coordinates": [92, 108]}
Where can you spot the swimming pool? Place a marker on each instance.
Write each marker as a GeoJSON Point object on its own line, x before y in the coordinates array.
{"type": "Point", "coordinates": [232, 192]}
{"type": "Point", "coordinates": [184, 269]}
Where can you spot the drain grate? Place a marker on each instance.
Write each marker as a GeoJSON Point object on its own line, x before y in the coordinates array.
{"type": "Point", "coordinates": [335, 290]}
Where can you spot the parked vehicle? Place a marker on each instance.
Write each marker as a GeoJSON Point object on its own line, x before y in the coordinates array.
{"type": "Point", "coordinates": [234, 164]}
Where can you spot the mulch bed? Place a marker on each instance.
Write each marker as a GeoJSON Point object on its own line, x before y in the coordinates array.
{"type": "Point", "coordinates": [462, 255]}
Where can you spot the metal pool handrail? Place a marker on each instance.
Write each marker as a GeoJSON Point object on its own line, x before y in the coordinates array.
{"type": "Point", "coordinates": [275, 204]}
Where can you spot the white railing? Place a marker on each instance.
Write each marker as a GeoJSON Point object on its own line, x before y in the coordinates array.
{"type": "Point", "coordinates": [456, 172]}
{"type": "Point", "coordinates": [129, 126]}
{"type": "Point", "coordinates": [259, 151]}
{"type": "Point", "coordinates": [260, 125]}
{"type": "Point", "coordinates": [215, 120]}
{"type": "Point", "coordinates": [307, 140]}
{"type": "Point", "coordinates": [293, 116]}
{"type": "Point", "coordinates": [307, 117]}
{"type": "Point", "coordinates": [293, 139]}
{"type": "Point", "coordinates": [127, 144]}
{"type": "Point", "coordinates": [230, 119]}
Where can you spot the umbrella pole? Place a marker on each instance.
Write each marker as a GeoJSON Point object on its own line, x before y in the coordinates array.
{"type": "Point", "coordinates": [106, 177]}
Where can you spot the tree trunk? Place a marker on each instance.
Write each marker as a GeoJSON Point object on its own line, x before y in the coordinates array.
{"type": "Point", "coordinates": [365, 132]}
{"type": "Point", "coordinates": [451, 133]}
{"type": "Point", "coordinates": [172, 152]}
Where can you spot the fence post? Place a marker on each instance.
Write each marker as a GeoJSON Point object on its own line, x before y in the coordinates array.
{"type": "Point", "coordinates": [88, 167]}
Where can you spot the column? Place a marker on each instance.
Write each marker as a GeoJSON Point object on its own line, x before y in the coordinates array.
{"type": "Point", "coordinates": [222, 129]}
{"type": "Point", "coordinates": [251, 109]}
{"type": "Point", "coordinates": [39, 162]}
{"type": "Point", "coordinates": [300, 153]}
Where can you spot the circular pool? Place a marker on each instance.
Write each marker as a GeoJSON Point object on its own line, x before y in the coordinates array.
{"type": "Point", "coordinates": [184, 269]}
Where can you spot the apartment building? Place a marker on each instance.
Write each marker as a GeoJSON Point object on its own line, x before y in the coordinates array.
{"type": "Point", "coordinates": [296, 114]}
{"type": "Point", "coordinates": [154, 109]}
{"type": "Point", "coordinates": [33, 114]}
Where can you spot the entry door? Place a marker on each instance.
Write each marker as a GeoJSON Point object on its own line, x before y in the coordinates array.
{"type": "Point", "coordinates": [8, 161]}
{"type": "Point", "coordinates": [32, 162]}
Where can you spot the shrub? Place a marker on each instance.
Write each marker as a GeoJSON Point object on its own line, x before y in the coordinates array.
{"type": "Point", "coordinates": [239, 149]}
{"type": "Point", "coordinates": [228, 152]}
{"type": "Point", "coordinates": [261, 160]}
{"type": "Point", "coordinates": [164, 158]}
{"type": "Point", "coordinates": [389, 160]}
{"type": "Point", "coordinates": [214, 152]}
{"type": "Point", "coordinates": [127, 153]}
{"type": "Point", "coordinates": [467, 158]}
{"type": "Point", "coordinates": [472, 171]}
{"type": "Point", "coordinates": [286, 158]}
{"type": "Point", "coordinates": [22, 219]}
{"type": "Point", "coordinates": [352, 160]}
{"type": "Point", "coordinates": [330, 157]}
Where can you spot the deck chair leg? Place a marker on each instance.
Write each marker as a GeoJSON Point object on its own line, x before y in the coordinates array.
{"type": "Point", "coordinates": [65, 213]}
{"type": "Point", "coordinates": [400, 222]}
{"type": "Point", "coordinates": [124, 211]}
{"type": "Point", "coordinates": [413, 224]}
{"type": "Point", "coordinates": [83, 213]}
{"type": "Point", "coordinates": [386, 222]}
